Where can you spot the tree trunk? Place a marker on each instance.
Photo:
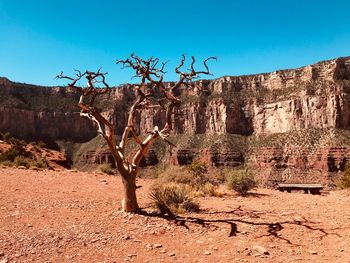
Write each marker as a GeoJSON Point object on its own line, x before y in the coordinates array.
{"type": "Point", "coordinates": [129, 203]}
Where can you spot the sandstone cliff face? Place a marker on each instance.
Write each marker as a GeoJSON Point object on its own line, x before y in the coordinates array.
{"type": "Point", "coordinates": [34, 112]}
{"type": "Point", "coordinates": [281, 101]}
{"type": "Point", "coordinates": [302, 113]}
{"type": "Point", "coordinates": [284, 101]}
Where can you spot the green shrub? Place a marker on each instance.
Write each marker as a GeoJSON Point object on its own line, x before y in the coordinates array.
{"type": "Point", "coordinates": [175, 174]}
{"type": "Point", "coordinates": [345, 179]}
{"type": "Point", "coordinates": [106, 168]}
{"type": "Point", "coordinates": [22, 161]}
{"type": "Point", "coordinates": [194, 177]}
{"type": "Point", "coordinates": [198, 174]}
{"type": "Point", "coordinates": [241, 180]}
{"type": "Point", "coordinates": [172, 199]}
{"type": "Point", "coordinates": [197, 168]}
{"type": "Point", "coordinates": [15, 151]}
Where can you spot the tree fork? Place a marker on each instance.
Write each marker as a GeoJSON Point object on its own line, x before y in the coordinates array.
{"type": "Point", "coordinates": [151, 79]}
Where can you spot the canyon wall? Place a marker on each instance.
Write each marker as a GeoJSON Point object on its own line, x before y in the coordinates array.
{"type": "Point", "coordinates": [252, 106]}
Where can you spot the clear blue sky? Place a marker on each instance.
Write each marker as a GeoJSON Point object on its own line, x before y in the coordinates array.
{"type": "Point", "coordinates": [39, 38]}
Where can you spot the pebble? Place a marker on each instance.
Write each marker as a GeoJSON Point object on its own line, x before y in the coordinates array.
{"type": "Point", "coordinates": [207, 252]}
{"type": "Point", "coordinates": [312, 252]}
{"type": "Point", "coordinates": [171, 254]}
{"type": "Point", "coordinates": [95, 240]}
{"type": "Point", "coordinates": [261, 250]}
{"type": "Point", "coordinates": [149, 246]}
{"type": "Point", "coordinates": [157, 245]}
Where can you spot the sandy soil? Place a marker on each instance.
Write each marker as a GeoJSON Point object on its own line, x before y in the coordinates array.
{"type": "Point", "coordinates": [48, 216]}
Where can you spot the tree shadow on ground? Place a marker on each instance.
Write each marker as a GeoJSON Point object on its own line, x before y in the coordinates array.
{"type": "Point", "coordinates": [273, 227]}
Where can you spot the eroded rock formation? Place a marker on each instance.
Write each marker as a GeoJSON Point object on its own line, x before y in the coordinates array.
{"type": "Point", "coordinates": [284, 101]}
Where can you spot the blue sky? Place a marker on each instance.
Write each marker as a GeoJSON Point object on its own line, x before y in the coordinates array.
{"type": "Point", "coordinates": [40, 38]}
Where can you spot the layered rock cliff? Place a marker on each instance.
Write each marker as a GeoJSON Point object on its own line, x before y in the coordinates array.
{"type": "Point", "coordinates": [229, 109]}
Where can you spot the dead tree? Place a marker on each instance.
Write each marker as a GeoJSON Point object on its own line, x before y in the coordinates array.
{"type": "Point", "coordinates": [151, 73]}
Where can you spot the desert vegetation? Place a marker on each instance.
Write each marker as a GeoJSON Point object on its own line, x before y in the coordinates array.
{"type": "Point", "coordinates": [151, 93]}
{"type": "Point", "coordinates": [175, 188]}
{"type": "Point", "coordinates": [241, 180]}
{"type": "Point", "coordinates": [345, 178]}
{"type": "Point", "coordinates": [17, 153]}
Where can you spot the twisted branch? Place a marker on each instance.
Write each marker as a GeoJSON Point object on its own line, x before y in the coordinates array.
{"type": "Point", "coordinates": [151, 72]}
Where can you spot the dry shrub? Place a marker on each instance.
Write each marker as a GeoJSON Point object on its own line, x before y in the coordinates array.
{"type": "Point", "coordinates": [173, 198]}
{"type": "Point", "coordinates": [22, 161]}
{"type": "Point", "coordinates": [106, 168]}
{"type": "Point", "coordinates": [241, 180]}
{"type": "Point", "coordinates": [41, 164]}
{"type": "Point", "coordinates": [345, 178]}
{"type": "Point", "coordinates": [194, 176]}
{"type": "Point", "coordinates": [208, 189]}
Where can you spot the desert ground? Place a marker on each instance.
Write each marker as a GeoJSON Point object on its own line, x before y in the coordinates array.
{"type": "Point", "coordinates": [69, 216]}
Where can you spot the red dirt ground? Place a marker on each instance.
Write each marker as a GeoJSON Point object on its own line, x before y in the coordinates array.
{"type": "Point", "coordinates": [65, 216]}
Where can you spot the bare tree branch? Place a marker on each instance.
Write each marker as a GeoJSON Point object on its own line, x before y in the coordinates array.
{"type": "Point", "coordinates": [151, 72]}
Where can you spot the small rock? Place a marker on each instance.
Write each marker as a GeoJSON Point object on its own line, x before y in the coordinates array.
{"type": "Point", "coordinates": [95, 240]}
{"type": "Point", "coordinates": [312, 252]}
{"type": "Point", "coordinates": [126, 237]}
{"type": "Point", "coordinates": [29, 225]}
{"type": "Point", "coordinates": [163, 251]}
{"type": "Point", "coordinates": [157, 245]}
{"type": "Point", "coordinates": [261, 250]}
{"type": "Point", "coordinates": [149, 246]}
{"type": "Point", "coordinates": [171, 254]}
{"type": "Point", "coordinates": [207, 252]}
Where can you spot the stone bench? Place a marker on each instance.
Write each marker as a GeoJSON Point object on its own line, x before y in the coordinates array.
{"type": "Point", "coordinates": [308, 188]}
